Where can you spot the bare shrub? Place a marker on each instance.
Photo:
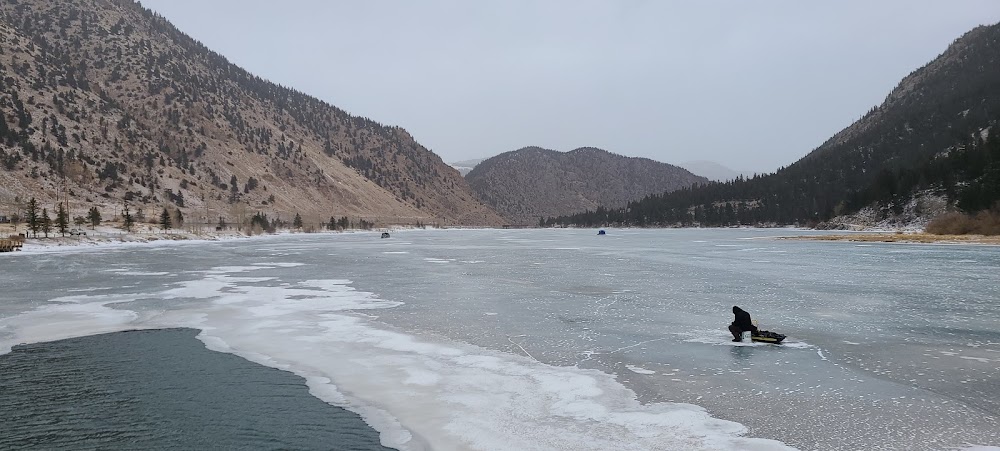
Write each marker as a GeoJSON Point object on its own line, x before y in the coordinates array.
{"type": "Point", "coordinates": [988, 222]}
{"type": "Point", "coordinates": [983, 223]}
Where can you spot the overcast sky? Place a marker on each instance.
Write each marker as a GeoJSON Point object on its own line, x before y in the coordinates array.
{"type": "Point", "coordinates": [753, 85]}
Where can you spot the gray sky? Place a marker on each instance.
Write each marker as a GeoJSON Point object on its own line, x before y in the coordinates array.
{"type": "Point", "coordinates": [753, 85]}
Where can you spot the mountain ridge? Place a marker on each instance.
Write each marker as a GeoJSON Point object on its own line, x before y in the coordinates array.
{"type": "Point", "coordinates": [533, 182]}
{"type": "Point", "coordinates": [107, 103]}
{"type": "Point", "coordinates": [930, 137]}
{"type": "Point", "coordinates": [711, 170]}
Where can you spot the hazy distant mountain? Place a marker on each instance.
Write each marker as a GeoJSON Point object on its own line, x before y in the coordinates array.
{"type": "Point", "coordinates": [934, 134]}
{"type": "Point", "coordinates": [465, 166]}
{"type": "Point", "coordinates": [531, 182]}
{"type": "Point", "coordinates": [107, 103]}
{"type": "Point", "coordinates": [711, 170]}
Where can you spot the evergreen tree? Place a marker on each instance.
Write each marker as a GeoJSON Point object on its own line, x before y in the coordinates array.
{"type": "Point", "coordinates": [178, 218]}
{"type": "Point", "coordinates": [165, 223]}
{"type": "Point", "coordinates": [222, 223]}
{"type": "Point", "coordinates": [62, 219]}
{"type": "Point", "coordinates": [46, 222]}
{"type": "Point", "coordinates": [234, 190]}
{"type": "Point", "coordinates": [33, 222]}
{"type": "Point", "coordinates": [94, 216]}
{"type": "Point", "coordinates": [297, 222]}
{"type": "Point", "coordinates": [127, 219]}
{"type": "Point", "coordinates": [6, 134]}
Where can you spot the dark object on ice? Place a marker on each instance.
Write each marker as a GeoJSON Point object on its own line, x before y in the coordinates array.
{"type": "Point", "coordinates": [601, 232]}
{"type": "Point", "coordinates": [385, 234]}
{"type": "Point", "coordinates": [741, 324]}
{"type": "Point", "coordinates": [765, 336]}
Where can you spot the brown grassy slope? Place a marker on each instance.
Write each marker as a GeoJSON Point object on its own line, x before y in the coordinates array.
{"type": "Point", "coordinates": [531, 182]}
{"type": "Point", "coordinates": [124, 107]}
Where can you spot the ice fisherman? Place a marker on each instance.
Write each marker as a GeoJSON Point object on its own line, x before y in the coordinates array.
{"type": "Point", "coordinates": [741, 324]}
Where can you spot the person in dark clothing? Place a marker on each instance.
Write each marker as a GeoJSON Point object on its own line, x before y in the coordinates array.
{"type": "Point", "coordinates": [741, 324]}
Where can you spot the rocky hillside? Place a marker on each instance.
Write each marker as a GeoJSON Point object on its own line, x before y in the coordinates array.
{"type": "Point", "coordinates": [466, 166]}
{"type": "Point", "coordinates": [932, 109]}
{"type": "Point", "coordinates": [933, 135]}
{"type": "Point", "coordinates": [106, 103]}
{"type": "Point", "coordinates": [532, 182]}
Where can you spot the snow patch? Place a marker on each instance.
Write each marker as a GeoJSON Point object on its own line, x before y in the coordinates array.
{"type": "Point", "coordinates": [639, 369]}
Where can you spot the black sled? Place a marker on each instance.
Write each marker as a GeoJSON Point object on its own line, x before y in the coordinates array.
{"type": "Point", "coordinates": [766, 336]}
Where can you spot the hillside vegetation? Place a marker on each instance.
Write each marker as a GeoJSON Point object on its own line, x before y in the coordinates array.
{"type": "Point", "coordinates": [529, 183]}
{"type": "Point", "coordinates": [933, 134]}
{"type": "Point", "coordinates": [104, 103]}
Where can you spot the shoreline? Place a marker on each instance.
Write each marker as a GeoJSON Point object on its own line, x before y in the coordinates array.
{"type": "Point", "coordinates": [110, 237]}
{"type": "Point", "coordinates": [903, 238]}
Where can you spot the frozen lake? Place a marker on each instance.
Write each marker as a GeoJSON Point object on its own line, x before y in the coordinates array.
{"type": "Point", "coordinates": [561, 339]}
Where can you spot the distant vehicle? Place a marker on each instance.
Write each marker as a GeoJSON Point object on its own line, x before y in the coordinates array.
{"type": "Point", "coordinates": [77, 232]}
{"type": "Point", "coordinates": [385, 234]}
{"type": "Point", "coordinates": [601, 232]}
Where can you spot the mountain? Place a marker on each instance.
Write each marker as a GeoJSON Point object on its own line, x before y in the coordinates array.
{"type": "Point", "coordinates": [932, 136]}
{"type": "Point", "coordinates": [106, 103]}
{"type": "Point", "coordinates": [711, 170]}
{"type": "Point", "coordinates": [532, 182]}
{"type": "Point", "coordinates": [466, 166]}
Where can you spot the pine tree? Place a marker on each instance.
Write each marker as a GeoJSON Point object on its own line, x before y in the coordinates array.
{"type": "Point", "coordinates": [62, 219]}
{"type": "Point", "coordinates": [297, 222]}
{"type": "Point", "coordinates": [178, 218]}
{"type": "Point", "coordinates": [94, 216]}
{"type": "Point", "coordinates": [5, 134]}
{"type": "Point", "coordinates": [165, 223]}
{"type": "Point", "coordinates": [46, 222]}
{"type": "Point", "coordinates": [33, 222]}
{"type": "Point", "coordinates": [127, 219]}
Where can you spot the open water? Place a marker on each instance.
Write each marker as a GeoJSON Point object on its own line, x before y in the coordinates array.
{"type": "Point", "coordinates": [161, 389]}
{"type": "Point", "coordinates": [562, 339]}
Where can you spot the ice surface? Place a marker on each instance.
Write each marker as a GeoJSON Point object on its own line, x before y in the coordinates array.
{"type": "Point", "coordinates": [556, 340]}
{"type": "Point", "coordinates": [448, 394]}
{"type": "Point", "coordinates": [639, 370]}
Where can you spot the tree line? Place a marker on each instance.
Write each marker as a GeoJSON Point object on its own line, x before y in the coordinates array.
{"type": "Point", "coordinates": [968, 175]}
{"type": "Point", "coordinates": [936, 131]}
{"type": "Point", "coordinates": [40, 221]}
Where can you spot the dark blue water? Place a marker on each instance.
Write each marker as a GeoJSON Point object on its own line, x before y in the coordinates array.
{"type": "Point", "coordinates": [161, 390]}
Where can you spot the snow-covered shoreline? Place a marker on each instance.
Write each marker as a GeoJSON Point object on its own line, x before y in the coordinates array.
{"type": "Point", "coordinates": [104, 237]}
{"type": "Point", "coordinates": [873, 236]}
{"type": "Point", "coordinates": [112, 237]}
